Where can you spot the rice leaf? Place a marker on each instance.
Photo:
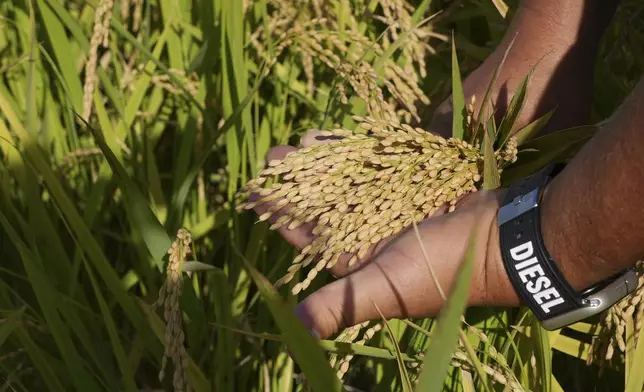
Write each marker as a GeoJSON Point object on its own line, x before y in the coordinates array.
{"type": "Point", "coordinates": [458, 99]}
{"type": "Point", "coordinates": [543, 353]}
{"type": "Point", "coordinates": [40, 362]}
{"type": "Point", "coordinates": [439, 353]}
{"type": "Point", "coordinates": [115, 340]}
{"type": "Point", "coordinates": [332, 346]}
{"type": "Point", "coordinates": [48, 300]}
{"type": "Point", "coordinates": [402, 370]}
{"type": "Point", "coordinates": [304, 347]}
{"type": "Point", "coordinates": [512, 113]}
{"type": "Point", "coordinates": [488, 94]}
{"type": "Point", "coordinates": [468, 383]}
{"type": "Point", "coordinates": [553, 147]}
{"type": "Point", "coordinates": [501, 6]}
{"type": "Point", "coordinates": [529, 131]}
{"type": "Point", "coordinates": [194, 266]}
{"type": "Point", "coordinates": [140, 214]}
{"type": "Point", "coordinates": [10, 324]}
{"type": "Point", "coordinates": [635, 382]}
{"type": "Point", "coordinates": [491, 176]}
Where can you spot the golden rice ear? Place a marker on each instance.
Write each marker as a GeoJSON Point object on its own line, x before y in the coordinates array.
{"type": "Point", "coordinates": [169, 297]}
{"type": "Point", "coordinates": [366, 187]}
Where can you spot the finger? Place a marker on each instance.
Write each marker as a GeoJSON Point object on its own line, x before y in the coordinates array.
{"type": "Point", "coordinates": [343, 268]}
{"type": "Point", "coordinates": [399, 281]}
{"type": "Point", "coordinates": [298, 237]}
{"type": "Point", "coordinates": [278, 153]}
{"type": "Point", "coordinates": [314, 137]}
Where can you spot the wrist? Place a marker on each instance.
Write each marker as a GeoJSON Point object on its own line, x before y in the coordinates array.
{"type": "Point", "coordinates": [495, 287]}
{"type": "Point", "coordinates": [562, 236]}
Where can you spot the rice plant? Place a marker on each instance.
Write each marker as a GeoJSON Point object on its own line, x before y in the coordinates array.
{"type": "Point", "coordinates": [128, 130]}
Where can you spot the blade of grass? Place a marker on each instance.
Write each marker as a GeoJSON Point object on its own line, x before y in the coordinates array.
{"type": "Point", "coordinates": [463, 337]}
{"type": "Point", "coordinates": [439, 353]}
{"type": "Point", "coordinates": [48, 300]}
{"type": "Point", "coordinates": [332, 346]}
{"type": "Point", "coordinates": [61, 47]}
{"type": "Point", "coordinates": [458, 99]}
{"type": "Point", "coordinates": [119, 352]}
{"type": "Point", "coordinates": [179, 197]}
{"type": "Point", "coordinates": [554, 147]}
{"type": "Point", "coordinates": [488, 93]}
{"type": "Point", "coordinates": [491, 175]}
{"type": "Point", "coordinates": [501, 7]}
{"type": "Point", "coordinates": [140, 214]}
{"type": "Point", "coordinates": [543, 353]}
{"type": "Point", "coordinates": [468, 383]}
{"type": "Point", "coordinates": [635, 380]}
{"type": "Point", "coordinates": [402, 369]}
{"type": "Point", "coordinates": [40, 362]}
{"type": "Point", "coordinates": [304, 347]}
{"type": "Point", "coordinates": [506, 127]}
{"type": "Point", "coordinates": [67, 210]}
{"type": "Point", "coordinates": [10, 324]}
{"type": "Point", "coordinates": [529, 131]}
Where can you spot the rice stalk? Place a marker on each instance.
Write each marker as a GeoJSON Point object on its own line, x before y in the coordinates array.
{"type": "Point", "coordinates": [169, 297]}
{"type": "Point", "coordinates": [100, 37]}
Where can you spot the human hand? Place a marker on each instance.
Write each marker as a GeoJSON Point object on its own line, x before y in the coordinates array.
{"type": "Point", "coordinates": [395, 275]}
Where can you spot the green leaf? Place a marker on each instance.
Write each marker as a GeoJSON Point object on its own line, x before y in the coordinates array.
{"type": "Point", "coordinates": [543, 353]}
{"type": "Point", "coordinates": [488, 93]}
{"type": "Point", "coordinates": [139, 212]}
{"type": "Point", "coordinates": [194, 266]}
{"type": "Point", "coordinates": [458, 99]}
{"type": "Point", "coordinates": [635, 382]}
{"type": "Point", "coordinates": [112, 330]}
{"type": "Point", "coordinates": [491, 176]}
{"type": "Point", "coordinates": [304, 347]}
{"type": "Point", "coordinates": [48, 300]}
{"type": "Point", "coordinates": [332, 346]}
{"type": "Point", "coordinates": [513, 111]}
{"type": "Point", "coordinates": [554, 147]}
{"type": "Point", "coordinates": [529, 131]}
{"type": "Point", "coordinates": [10, 324]}
{"type": "Point", "coordinates": [439, 353]}
{"type": "Point", "coordinates": [402, 370]}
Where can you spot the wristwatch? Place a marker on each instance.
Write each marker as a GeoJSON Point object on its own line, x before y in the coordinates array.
{"type": "Point", "coordinates": [532, 271]}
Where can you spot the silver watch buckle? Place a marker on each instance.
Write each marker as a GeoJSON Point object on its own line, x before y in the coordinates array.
{"type": "Point", "coordinates": [520, 205]}
{"type": "Point", "coordinates": [597, 302]}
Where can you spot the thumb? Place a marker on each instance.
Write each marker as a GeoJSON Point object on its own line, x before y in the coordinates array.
{"type": "Point", "coordinates": [397, 281]}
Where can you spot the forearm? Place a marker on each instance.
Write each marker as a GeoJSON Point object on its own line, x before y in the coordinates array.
{"type": "Point", "coordinates": [593, 211]}
{"type": "Point", "coordinates": [563, 37]}
{"type": "Point", "coordinates": [582, 21]}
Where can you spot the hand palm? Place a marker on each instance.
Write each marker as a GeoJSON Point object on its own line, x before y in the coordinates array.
{"type": "Point", "coordinates": [395, 273]}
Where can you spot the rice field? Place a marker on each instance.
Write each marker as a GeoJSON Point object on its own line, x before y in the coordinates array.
{"type": "Point", "coordinates": [128, 132]}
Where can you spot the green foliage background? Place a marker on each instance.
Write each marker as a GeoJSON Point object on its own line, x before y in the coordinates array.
{"type": "Point", "coordinates": [87, 214]}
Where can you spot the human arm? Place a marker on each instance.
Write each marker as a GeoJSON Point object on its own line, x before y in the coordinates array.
{"type": "Point", "coordinates": [562, 38]}
{"type": "Point", "coordinates": [591, 222]}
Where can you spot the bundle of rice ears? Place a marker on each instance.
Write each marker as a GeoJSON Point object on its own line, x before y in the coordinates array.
{"type": "Point", "coordinates": [365, 187]}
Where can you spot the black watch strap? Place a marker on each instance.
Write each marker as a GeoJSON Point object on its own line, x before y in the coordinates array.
{"type": "Point", "coordinates": [533, 272]}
